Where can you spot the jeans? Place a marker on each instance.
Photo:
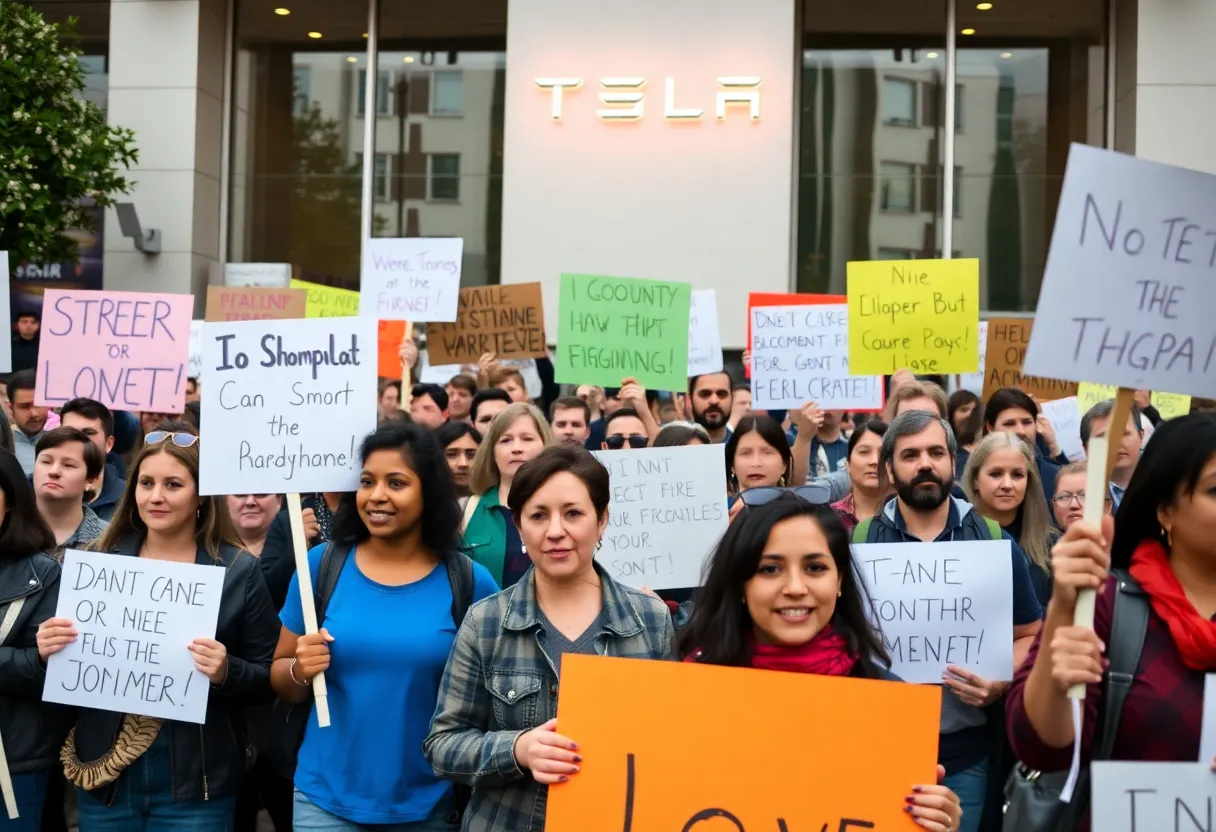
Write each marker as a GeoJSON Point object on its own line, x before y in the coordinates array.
{"type": "Point", "coordinates": [310, 817]}
{"type": "Point", "coordinates": [971, 786]}
{"type": "Point", "coordinates": [30, 791]}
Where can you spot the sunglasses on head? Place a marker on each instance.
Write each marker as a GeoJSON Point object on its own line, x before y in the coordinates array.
{"type": "Point", "coordinates": [818, 495]}
{"type": "Point", "coordinates": [615, 443]}
{"type": "Point", "coordinates": [181, 440]}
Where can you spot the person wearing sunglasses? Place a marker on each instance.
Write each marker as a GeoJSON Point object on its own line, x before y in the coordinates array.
{"type": "Point", "coordinates": [625, 429]}
{"type": "Point", "coordinates": [134, 772]}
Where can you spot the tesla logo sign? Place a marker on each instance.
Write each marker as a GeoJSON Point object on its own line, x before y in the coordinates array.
{"type": "Point", "coordinates": [625, 97]}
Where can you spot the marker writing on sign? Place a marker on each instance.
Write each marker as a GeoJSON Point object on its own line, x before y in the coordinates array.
{"type": "Point", "coordinates": [619, 299]}
{"type": "Point", "coordinates": [932, 646]}
{"type": "Point", "coordinates": [931, 335]}
{"type": "Point", "coordinates": [274, 355]}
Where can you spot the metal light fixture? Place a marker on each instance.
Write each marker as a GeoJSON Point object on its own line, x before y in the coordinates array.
{"type": "Point", "coordinates": [146, 240]}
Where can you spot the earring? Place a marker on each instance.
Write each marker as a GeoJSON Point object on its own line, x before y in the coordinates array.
{"type": "Point", "coordinates": [1169, 539]}
{"type": "Point", "coordinates": [840, 593]}
{"type": "Point", "coordinates": [599, 544]}
{"type": "Point", "coordinates": [781, 482]}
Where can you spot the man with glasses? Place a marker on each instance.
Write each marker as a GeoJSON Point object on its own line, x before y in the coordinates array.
{"type": "Point", "coordinates": [624, 428]}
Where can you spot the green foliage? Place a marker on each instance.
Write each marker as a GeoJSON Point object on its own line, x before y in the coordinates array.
{"type": "Point", "coordinates": [56, 150]}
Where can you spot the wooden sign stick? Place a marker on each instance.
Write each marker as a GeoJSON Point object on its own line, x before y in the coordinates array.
{"type": "Point", "coordinates": [407, 389]}
{"type": "Point", "coordinates": [307, 599]}
{"type": "Point", "coordinates": [6, 785]}
{"type": "Point", "coordinates": [1102, 456]}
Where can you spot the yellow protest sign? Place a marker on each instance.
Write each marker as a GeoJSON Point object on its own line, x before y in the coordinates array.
{"type": "Point", "coordinates": [1172, 405]}
{"type": "Point", "coordinates": [328, 301]}
{"type": "Point", "coordinates": [1169, 405]}
{"type": "Point", "coordinates": [1090, 394]}
{"type": "Point", "coordinates": [920, 315]}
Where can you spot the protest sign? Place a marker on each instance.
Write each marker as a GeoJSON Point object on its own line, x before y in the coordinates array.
{"type": "Point", "coordinates": [196, 350]}
{"type": "Point", "coordinates": [441, 373]}
{"type": "Point", "coordinates": [667, 512]}
{"type": "Point", "coordinates": [919, 315]}
{"type": "Point", "coordinates": [6, 344]}
{"type": "Point", "coordinates": [527, 369]}
{"type": "Point", "coordinates": [1171, 405]}
{"type": "Point", "coordinates": [942, 604]}
{"type": "Point", "coordinates": [127, 350]}
{"type": "Point", "coordinates": [1151, 797]}
{"type": "Point", "coordinates": [389, 335]}
{"type": "Point", "coordinates": [610, 328]}
{"type": "Point", "coordinates": [287, 404]}
{"type": "Point", "coordinates": [508, 321]}
{"type": "Point", "coordinates": [704, 336]}
{"type": "Point", "coordinates": [272, 275]}
{"type": "Point", "coordinates": [975, 381]}
{"type": "Point", "coordinates": [689, 762]}
{"type": "Point", "coordinates": [135, 617]}
{"type": "Point", "coordinates": [781, 299]}
{"type": "Point", "coordinates": [254, 303]}
{"type": "Point", "coordinates": [1065, 418]}
{"type": "Point", "coordinates": [1146, 232]}
{"type": "Point", "coordinates": [1005, 351]}
{"type": "Point", "coordinates": [1207, 740]}
{"type": "Point", "coordinates": [327, 301]}
{"type": "Point", "coordinates": [1089, 395]}
{"type": "Point", "coordinates": [411, 278]}
{"type": "Point", "coordinates": [800, 354]}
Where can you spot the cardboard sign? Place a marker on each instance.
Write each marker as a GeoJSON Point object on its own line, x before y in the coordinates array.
{"type": "Point", "coordinates": [666, 515]}
{"type": "Point", "coordinates": [196, 350]}
{"type": "Point", "coordinates": [135, 617]}
{"type": "Point", "coordinates": [411, 278]}
{"type": "Point", "coordinates": [1151, 797]}
{"type": "Point", "coordinates": [1065, 418]}
{"type": "Point", "coordinates": [941, 604]}
{"type": "Point", "coordinates": [6, 344]}
{"type": "Point", "coordinates": [704, 337]}
{"type": "Point", "coordinates": [612, 328]}
{"type": "Point", "coordinates": [127, 350]}
{"type": "Point", "coordinates": [666, 747]}
{"type": "Point", "coordinates": [286, 404]}
{"type": "Point", "coordinates": [270, 275]}
{"type": "Point", "coordinates": [1127, 293]}
{"type": "Point", "coordinates": [389, 335]}
{"type": "Point", "coordinates": [327, 301]}
{"type": "Point", "coordinates": [254, 303]}
{"type": "Point", "coordinates": [508, 321]}
{"type": "Point", "coordinates": [800, 354]}
{"type": "Point", "coordinates": [1007, 339]}
{"type": "Point", "coordinates": [919, 315]}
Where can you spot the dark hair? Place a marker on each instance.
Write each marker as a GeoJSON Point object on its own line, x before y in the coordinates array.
{"type": "Point", "coordinates": [570, 403]}
{"type": "Point", "coordinates": [1102, 410]}
{"type": "Point", "coordinates": [721, 627]}
{"type": "Point", "coordinates": [488, 394]}
{"type": "Point", "coordinates": [177, 426]}
{"type": "Point", "coordinates": [449, 432]}
{"type": "Point", "coordinates": [396, 384]}
{"type": "Point", "coordinates": [193, 414]}
{"type": "Point", "coordinates": [679, 434]}
{"type": "Point", "coordinates": [6, 432]}
{"type": "Point", "coordinates": [1171, 466]}
{"type": "Point", "coordinates": [692, 381]}
{"type": "Point", "coordinates": [739, 388]}
{"type": "Point", "coordinates": [437, 394]}
{"type": "Point", "coordinates": [969, 431]}
{"type": "Point", "coordinates": [464, 382]}
{"type": "Point", "coordinates": [874, 426]}
{"type": "Point", "coordinates": [93, 459]}
{"type": "Point", "coordinates": [422, 453]}
{"type": "Point", "coordinates": [1004, 399]}
{"type": "Point", "coordinates": [23, 532]}
{"type": "Point", "coordinates": [770, 431]}
{"type": "Point", "coordinates": [620, 413]}
{"type": "Point", "coordinates": [94, 410]}
{"type": "Point", "coordinates": [22, 380]}
{"type": "Point", "coordinates": [28, 313]}
{"type": "Point", "coordinates": [558, 459]}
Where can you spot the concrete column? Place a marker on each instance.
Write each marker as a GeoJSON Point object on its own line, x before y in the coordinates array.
{"type": "Point", "coordinates": [167, 84]}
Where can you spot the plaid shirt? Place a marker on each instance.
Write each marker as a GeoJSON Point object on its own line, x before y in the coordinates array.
{"type": "Point", "coordinates": [1162, 717]}
{"type": "Point", "coordinates": [499, 683]}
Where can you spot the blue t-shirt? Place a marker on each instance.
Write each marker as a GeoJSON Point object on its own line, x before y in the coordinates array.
{"type": "Point", "coordinates": [386, 662]}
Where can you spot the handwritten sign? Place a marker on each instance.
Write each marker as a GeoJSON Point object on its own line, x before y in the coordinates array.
{"type": "Point", "coordinates": [975, 381]}
{"type": "Point", "coordinates": [942, 604]}
{"type": "Point", "coordinates": [920, 315]}
{"type": "Point", "coordinates": [1207, 740]}
{"type": "Point", "coordinates": [1171, 405]}
{"type": "Point", "coordinates": [127, 350]}
{"type": "Point", "coordinates": [196, 350]}
{"type": "Point", "coordinates": [613, 327]}
{"type": "Point", "coordinates": [1006, 350]}
{"type": "Point", "coordinates": [1065, 418]}
{"type": "Point", "coordinates": [801, 353]}
{"type": "Point", "coordinates": [327, 301]}
{"type": "Point", "coordinates": [286, 404]}
{"type": "Point", "coordinates": [1151, 797]}
{"type": "Point", "coordinates": [6, 344]}
{"type": "Point", "coordinates": [704, 336]}
{"type": "Point", "coordinates": [411, 278]}
{"type": "Point", "coordinates": [135, 617]}
{"type": "Point", "coordinates": [667, 512]}
{"type": "Point", "coordinates": [508, 321]}
{"type": "Point", "coordinates": [272, 275]}
{"type": "Point", "coordinates": [1127, 293]}
{"type": "Point", "coordinates": [389, 335]}
{"type": "Point", "coordinates": [689, 762]}
{"type": "Point", "coordinates": [254, 303]}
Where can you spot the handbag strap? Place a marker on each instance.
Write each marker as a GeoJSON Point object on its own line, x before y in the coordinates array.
{"type": "Point", "coordinates": [467, 515]}
{"type": "Point", "coordinates": [10, 619]}
{"type": "Point", "coordinates": [1129, 623]}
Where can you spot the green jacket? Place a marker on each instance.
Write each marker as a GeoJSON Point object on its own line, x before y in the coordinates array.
{"type": "Point", "coordinates": [485, 534]}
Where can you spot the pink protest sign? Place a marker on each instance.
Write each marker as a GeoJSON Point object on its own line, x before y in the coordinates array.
{"type": "Point", "coordinates": [127, 350]}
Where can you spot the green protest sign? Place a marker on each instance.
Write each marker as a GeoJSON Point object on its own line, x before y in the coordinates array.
{"type": "Point", "coordinates": [611, 328]}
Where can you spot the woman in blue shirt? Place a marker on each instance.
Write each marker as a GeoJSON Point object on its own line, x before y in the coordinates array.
{"type": "Point", "coordinates": [383, 643]}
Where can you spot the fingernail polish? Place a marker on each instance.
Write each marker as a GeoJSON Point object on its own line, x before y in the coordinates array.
{"type": "Point", "coordinates": [917, 789]}
{"type": "Point", "coordinates": [908, 809]}
{"type": "Point", "coordinates": [563, 778]}
{"type": "Point", "coordinates": [574, 746]}
{"type": "Point", "coordinates": [577, 758]}
{"type": "Point", "coordinates": [909, 799]}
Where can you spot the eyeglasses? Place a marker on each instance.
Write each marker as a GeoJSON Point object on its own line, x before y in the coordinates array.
{"type": "Point", "coordinates": [818, 495]}
{"type": "Point", "coordinates": [181, 440]}
{"type": "Point", "coordinates": [615, 443]}
{"type": "Point", "coordinates": [1064, 498]}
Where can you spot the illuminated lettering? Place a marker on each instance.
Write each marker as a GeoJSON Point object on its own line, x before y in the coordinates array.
{"type": "Point", "coordinates": [739, 91]}
{"type": "Point", "coordinates": [634, 99]}
{"type": "Point", "coordinates": [558, 85]}
{"type": "Point", "coordinates": [672, 111]}
{"type": "Point", "coordinates": [625, 99]}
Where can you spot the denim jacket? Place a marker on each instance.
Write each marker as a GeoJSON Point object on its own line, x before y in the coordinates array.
{"type": "Point", "coordinates": [499, 683]}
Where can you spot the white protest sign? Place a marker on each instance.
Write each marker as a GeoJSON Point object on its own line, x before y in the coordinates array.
{"type": "Point", "coordinates": [1065, 418]}
{"type": "Point", "coordinates": [1152, 797]}
{"type": "Point", "coordinates": [411, 278]}
{"type": "Point", "coordinates": [135, 617]}
{"type": "Point", "coordinates": [975, 381]}
{"type": "Point", "coordinates": [667, 512]}
{"type": "Point", "coordinates": [6, 344]}
{"type": "Point", "coordinates": [196, 350]}
{"type": "Point", "coordinates": [704, 337]}
{"type": "Point", "coordinates": [271, 275]}
{"type": "Point", "coordinates": [941, 604]}
{"type": "Point", "coordinates": [527, 369]}
{"type": "Point", "coordinates": [439, 373]}
{"type": "Point", "coordinates": [1207, 740]}
{"type": "Point", "coordinates": [286, 404]}
{"type": "Point", "coordinates": [800, 354]}
{"type": "Point", "coordinates": [1128, 294]}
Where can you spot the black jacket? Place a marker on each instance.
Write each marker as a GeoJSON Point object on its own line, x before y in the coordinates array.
{"type": "Point", "coordinates": [209, 760]}
{"type": "Point", "coordinates": [278, 555]}
{"type": "Point", "coordinates": [33, 730]}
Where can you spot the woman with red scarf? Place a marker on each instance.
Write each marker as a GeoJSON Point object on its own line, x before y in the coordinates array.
{"type": "Point", "coordinates": [1164, 538]}
{"type": "Point", "coordinates": [803, 611]}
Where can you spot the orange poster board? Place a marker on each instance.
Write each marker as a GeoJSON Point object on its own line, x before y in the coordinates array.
{"type": "Point", "coordinates": [389, 335]}
{"type": "Point", "coordinates": [664, 743]}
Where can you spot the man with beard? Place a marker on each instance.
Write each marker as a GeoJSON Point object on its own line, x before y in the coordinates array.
{"type": "Point", "coordinates": [917, 455]}
{"type": "Point", "coordinates": [710, 403]}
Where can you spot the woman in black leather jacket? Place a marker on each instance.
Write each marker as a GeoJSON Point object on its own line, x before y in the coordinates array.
{"type": "Point", "coordinates": [132, 771]}
{"type": "Point", "coordinates": [29, 590]}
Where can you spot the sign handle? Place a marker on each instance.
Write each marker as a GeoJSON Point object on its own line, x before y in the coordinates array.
{"type": "Point", "coordinates": [6, 785]}
{"type": "Point", "coordinates": [407, 389]}
{"type": "Point", "coordinates": [307, 599]}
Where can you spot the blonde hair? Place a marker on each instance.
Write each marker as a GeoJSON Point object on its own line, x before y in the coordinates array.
{"type": "Point", "coordinates": [1036, 522]}
{"type": "Point", "coordinates": [916, 390]}
{"type": "Point", "coordinates": [484, 474]}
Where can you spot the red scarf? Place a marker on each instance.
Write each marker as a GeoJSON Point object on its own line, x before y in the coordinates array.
{"type": "Point", "coordinates": [826, 655]}
{"type": "Point", "coordinates": [1194, 635]}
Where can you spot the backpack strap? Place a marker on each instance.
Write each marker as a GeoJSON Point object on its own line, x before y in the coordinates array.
{"type": "Point", "coordinates": [332, 563]}
{"type": "Point", "coordinates": [1129, 623]}
{"type": "Point", "coordinates": [470, 507]}
{"type": "Point", "coordinates": [460, 576]}
{"type": "Point", "coordinates": [994, 529]}
{"type": "Point", "coordinates": [862, 530]}
{"type": "Point", "coordinates": [10, 619]}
